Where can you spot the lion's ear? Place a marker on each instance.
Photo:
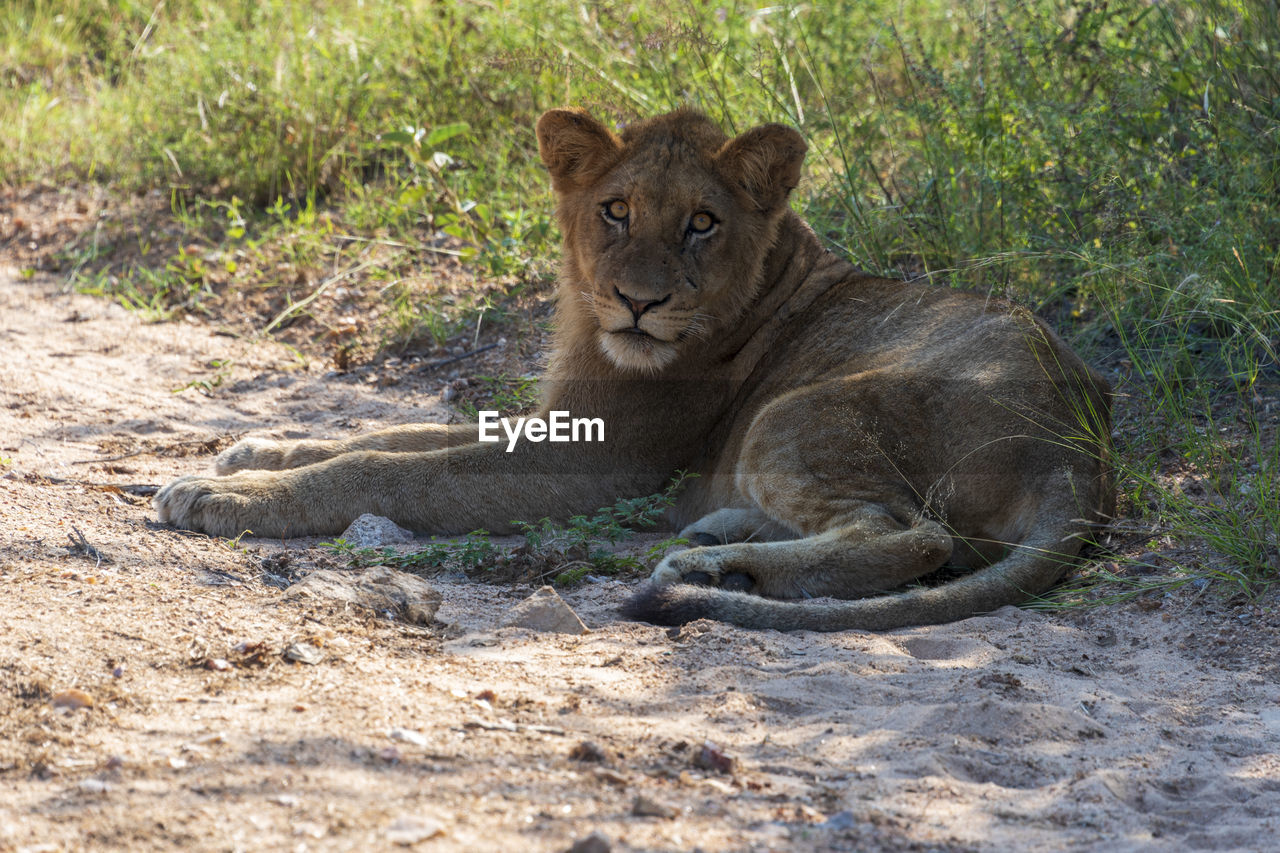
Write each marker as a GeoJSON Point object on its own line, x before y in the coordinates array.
{"type": "Point", "coordinates": [575, 148]}
{"type": "Point", "coordinates": [765, 161]}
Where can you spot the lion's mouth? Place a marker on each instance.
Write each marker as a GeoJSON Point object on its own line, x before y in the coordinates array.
{"type": "Point", "coordinates": [635, 349]}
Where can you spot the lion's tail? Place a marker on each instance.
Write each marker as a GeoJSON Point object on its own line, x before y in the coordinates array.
{"type": "Point", "coordinates": [1029, 570]}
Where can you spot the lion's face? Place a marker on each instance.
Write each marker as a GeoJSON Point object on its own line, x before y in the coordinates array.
{"type": "Point", "coordinates": [656, 257]}
{"type": "Point", "coordinates": [666, 228]}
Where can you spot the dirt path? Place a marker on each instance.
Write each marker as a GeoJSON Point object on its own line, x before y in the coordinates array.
{"type": "Point", "coordinates": [1127, 727]}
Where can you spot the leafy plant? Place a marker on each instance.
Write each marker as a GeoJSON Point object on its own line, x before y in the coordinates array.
{"type": "Point", "coordinates": [563, 552]}
{"type": "Point", "coordinates": [467, 553]}
{"type": "Point", "coordinates": [580, 545]}
{"type": "Point", "coordinates": [221, 373]}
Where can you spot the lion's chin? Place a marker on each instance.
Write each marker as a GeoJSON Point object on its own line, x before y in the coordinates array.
{"type": "Point", "coordinates": [637, 352]}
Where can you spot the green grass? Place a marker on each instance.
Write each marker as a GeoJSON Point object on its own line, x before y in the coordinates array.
{"type": "Point", "coordinates": [1116, 165]}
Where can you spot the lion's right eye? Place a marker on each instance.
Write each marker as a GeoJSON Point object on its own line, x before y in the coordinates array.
{"type": "Point", "coordinates": [616, 211]}
{"type": "Point", "coordinates": [701, 223]}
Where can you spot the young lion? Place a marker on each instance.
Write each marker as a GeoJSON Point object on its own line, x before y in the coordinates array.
{"type": "Point", "coordinates": [852, 434]}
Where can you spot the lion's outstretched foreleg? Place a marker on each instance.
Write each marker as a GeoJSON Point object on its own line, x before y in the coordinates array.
{"type": "Point", "coordinates": [266, 454]}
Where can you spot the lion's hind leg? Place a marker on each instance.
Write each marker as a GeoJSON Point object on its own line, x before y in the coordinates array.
{"type": "Point", "coordinates": [859, 527]}
{"type": "Point", "coordinates": [735, 524]}
{"type": "Point", "coordinates": [868, 553]}
{"type": "Point", "coordinates": [729, 525]}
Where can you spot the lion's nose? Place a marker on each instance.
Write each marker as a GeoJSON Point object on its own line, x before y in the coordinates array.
{"type": "Point", "coordinates": [639, 306]}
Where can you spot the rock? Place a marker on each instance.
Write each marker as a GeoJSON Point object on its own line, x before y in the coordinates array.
{"type": "Point", "coordinates": [840, 822]}
{"type": "Point", "coordinates": [646, 807]}
{"type": "Point", "coordinates": [374, 531]}
{"type": "Point", "coordinates": [303, 653]}
{"type": "Point", "coordinates": [72, 698]}
{"type": "Point", "coordinates": [596, 842]}
{"type": "Point", "coordinates": [717, 786]}
{"type": "Point", "coordinates": [412, 736]}
{"type": "Point", "coordinates": [711, 757]}
{"type": "Point", "coordinates": [385, 591]}
{"type": "Point", "coordinates": [613, 777]}
{"type": "Point", "coordinates": [587, 751]}
{"type": "Point", "coordinates": [94, 786]}
{"type": "Point", "coordinates": [545, 611]}
{"type": "Point", "coordinates": [407, 831]}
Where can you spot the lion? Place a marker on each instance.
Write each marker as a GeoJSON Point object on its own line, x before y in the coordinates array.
{"type": "Point", "coordinates": [871, 453]}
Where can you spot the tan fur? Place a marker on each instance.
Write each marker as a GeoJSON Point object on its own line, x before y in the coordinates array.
{"type": "Point", "coordinates": [852, 434]}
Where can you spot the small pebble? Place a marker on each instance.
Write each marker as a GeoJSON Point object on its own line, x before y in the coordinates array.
{"type": "Point", "coordinates": [303, 653]}
{"type": "Point", "coordinates": [596, 842]}
{"type": "Point", "coordinates": [613, 777]}
{"type": "Point", "coordinates": [711, 757]}
{"type": "Point", "coordinates": [840, 821]}
{"type": "Point", "coordinates": [647, 807]}
{"type": "Point", "coordinates": [587, 751]}
{"type": "Point", "coordinates": [408, 736]}
{"type": "Point", "coordinates": [407, 831]}
{"type": "Point", "coordinates": [73, 699]}
{"type": "Point", "coordinates": [717, 785]}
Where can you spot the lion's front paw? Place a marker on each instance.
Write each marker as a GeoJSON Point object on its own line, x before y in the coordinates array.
{"type": "Point", "coordinates": [228, 506]}
{"type": "Point", "coordinates": [251, 454]}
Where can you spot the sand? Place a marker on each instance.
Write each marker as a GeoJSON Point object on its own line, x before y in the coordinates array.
{"type": "Point", "coordinates": [1152, 724]}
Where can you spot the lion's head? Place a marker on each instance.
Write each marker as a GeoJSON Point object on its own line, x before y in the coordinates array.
{"type": "Point", "coordinates": [666, 225]}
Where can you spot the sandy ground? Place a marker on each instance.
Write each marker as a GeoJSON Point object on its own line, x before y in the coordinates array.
{"type": "Point", "coordinates": [1149, 725]}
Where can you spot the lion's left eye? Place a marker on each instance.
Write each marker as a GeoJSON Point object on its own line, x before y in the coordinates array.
{"type": "Point", "coordinates": [617, 211]}
{"type": "Point", "coordinates": [701, 223]}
